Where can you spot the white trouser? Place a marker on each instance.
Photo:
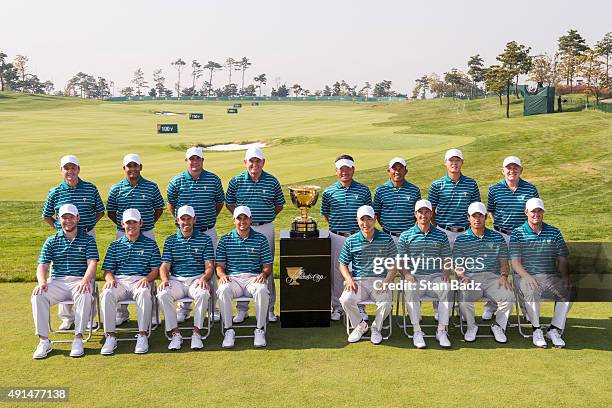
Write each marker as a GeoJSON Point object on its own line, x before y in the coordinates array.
{"type": "Point", "coordinates": [61, 289]}
{"type": "Point", "coordinates": [243, 285]}
{"type": "Point", "coordinates": [126, 290]}
{"type": "Point", "coordinates": [491, 305]}
{"type": "Point", "coordinates": [337, 280]}
{"type": "Point", "coordinates": [64, 312]}
{"type": "Point", "coordinates": [441, 292]}
{"type": "Point", "coordinates": [268, 231]}
{"type": "Point", "coordinates": [180, 288]}
{"type": "Point", "coordinates": [452, 236]}
{"type": "Point", "coordinates": [148, 234]}
{"type": "Point", "coordinates": [551, 287]}
{"type": "Point", "coordinates": [365, 291]}
{"type": "Point", "coordinates": [502, 298]}
{"type": "Point", "coordinates": [212, 233]}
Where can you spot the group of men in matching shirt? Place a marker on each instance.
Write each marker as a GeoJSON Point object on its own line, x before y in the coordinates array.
{"type": "Point", "coordinates": [193, 263]}
{"type": "Point", "coordinates": [193, 259]}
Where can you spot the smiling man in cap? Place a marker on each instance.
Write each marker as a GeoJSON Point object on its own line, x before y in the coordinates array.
{"type": "Point", "coordinates": [262, 193]}
{"type": "Point", "coordinates": [130, 267]}
{"type": "Point", "coordinates": [339, 204]}
{"type": "Point", "coordinates": [429, 274]}
{"type": "Point", "coordinates": [506, 206]}
{"type": "Point", "coordinates": [481, 255]}
{"type": "Point", "coordinates": [540, 257]}
{"type": "Point", "coordinates": [394, 201]}
{"type": "Point", "coordinates": [363, 282]}
{"type": "Point", "coordinates": [86, 198]}
{"type": "Point", "coordinates": [72, 257]}
{"type": "Point", "coordinates": [201, 190]}
{"type": "Point", "coordinates": [187, 265]}
{"type": "Point", "coordinates": [244, 262]}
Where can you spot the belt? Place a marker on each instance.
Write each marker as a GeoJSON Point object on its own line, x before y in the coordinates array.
{"type": "Point", "coordinates": [502, 230]}
{"type": "Point", "coordinates": [257, 224]}
{"type": "Point", "coordinates": [204, 229]}
{"type": "Point", "coordinates": [344, 234]}
{"type": "Point", "coordinates": [453, 229]}
{"type": "Point", "coordinates": [88, 229]}
{"type": "Point", "coordinates": [395, 234]}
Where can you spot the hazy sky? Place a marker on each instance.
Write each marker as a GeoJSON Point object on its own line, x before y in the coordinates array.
{"type": "Point", "coordinates": [309, 42]}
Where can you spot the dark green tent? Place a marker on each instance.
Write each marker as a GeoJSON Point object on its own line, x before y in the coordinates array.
{"type": "Point", "coordinates": [540, 101]}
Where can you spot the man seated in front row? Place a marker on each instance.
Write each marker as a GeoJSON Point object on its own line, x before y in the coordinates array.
{"type": "Point", "coordinates": [429, 251]}
{"type": "Point", "coordinates": [131, 265]}
{"type": "Point", "coordinates": [187, 266]}
{"type": "Point", "coordinates": [363, 283]}
{"type": "Point", "coordinates": [481, 256]}
{"type": "Point", "coordinates": [244, 262]}
{"type": "Point", "coordinates": [540, 257]}
{"type": "Point", "coordinates": [72, 256]}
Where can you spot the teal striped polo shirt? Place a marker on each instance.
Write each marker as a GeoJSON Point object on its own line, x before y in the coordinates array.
{"type": "Point", "coordinates": [84, 196]}
{"type": "Point", "coordinates": [68, 258]}
{"type": "Point", "coordinates": [127, 258]}
{"type": "Point", "coordinates": [538, 252]}
{"type": "Point", "coordinates": [340, 204]}
{"type": "Point", "coordinates": [144, 196]}
{"type": "Point", "coordinates": [396, 205]}
{"type": "Point", "coordinates": [187, 256]}
{"type": "Point", "coordinates": [507, 206]}
{"type": "Point", "coordinates": [361, 253]}
{"type": "Point", "coordinates": [202, 194]}
{"type": "Point", "coordinates": [482, 254]}
{"type": "Point", "coordinates": [260, 197]}
{"type": "Point", "coordinates": [427, 252]}
{"type": "Point", "coordinates": [243, 255]}
{"type": "Point", "coordinates": [451, 200]}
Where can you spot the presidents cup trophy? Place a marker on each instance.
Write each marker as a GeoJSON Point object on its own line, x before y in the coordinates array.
{"type": "Point", "coordinates": [304, 197]}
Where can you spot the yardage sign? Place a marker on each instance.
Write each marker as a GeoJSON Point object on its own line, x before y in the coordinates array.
{"type": "Point", "coordinates": [232, 110]}
{"type": "Point", "coordinates": [167, 128]}
{"type": "Point", "coordinates": [196, 116]}
{"type": "Point", "coordinates": [237, 105]}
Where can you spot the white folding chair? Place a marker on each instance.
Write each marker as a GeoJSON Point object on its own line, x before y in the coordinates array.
{"type": "Point", "coordinates": [94, 317]}
{"type": "Point", "coordinates": [387, 328]}
{"type": "Point", "coordinates": [403, 321]}
{"type": "Point", "coordinates": [462, 325]}
{"type": "Point", "coordinates": [205, 331]}
{"type": "Point", "coordinates": [154, 316]}
{"type": "Point", "coordinates": [244, 326]}
{"type": "Point", "coordinates": [521, 318]}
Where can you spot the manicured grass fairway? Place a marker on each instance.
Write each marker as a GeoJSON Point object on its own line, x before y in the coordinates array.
{"type": "Point", "coordinates": [567, 156]}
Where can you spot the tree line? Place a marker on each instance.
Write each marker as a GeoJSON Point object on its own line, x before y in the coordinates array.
{"type": "Point", "coordinates": [574, 57]}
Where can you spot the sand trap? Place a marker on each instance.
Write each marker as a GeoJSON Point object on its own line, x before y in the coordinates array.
{"type": "Point", "coordinates": [233, 147]}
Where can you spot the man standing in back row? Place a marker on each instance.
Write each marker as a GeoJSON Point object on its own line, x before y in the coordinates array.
{"type": "Point", "coordinates": [339, 205]}
{"type": "Point", "coordinates": [262, 193]}
{"type": "Point", "coordinates": [86, 198]}
{"type": "Point", "coordinates": [202, 190]}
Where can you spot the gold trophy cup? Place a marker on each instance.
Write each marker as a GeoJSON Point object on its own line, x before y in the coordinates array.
{"type": "Point", "coordinates": [304, 197]}
{"type": "Point", "coordinates": [294, 272]}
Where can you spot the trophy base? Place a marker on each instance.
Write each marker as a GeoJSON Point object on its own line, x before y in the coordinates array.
{"type": "Point", "coordinates": [304, 229]}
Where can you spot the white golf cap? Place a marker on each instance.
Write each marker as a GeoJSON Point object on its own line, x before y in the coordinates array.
{"type": "Point", "coordinates": [68, 209]}
{"type": "Point", "coordinates": [534, 203]}
{"type": "Point", "coordinates": [69, 158]}
{"type": "Point", "coordinates": [422, 204]}
{"type": "Point", "coordinates": [477, 207]}
{"type": "Point", "coordinates": [131, 214]}
{"type": "Point", "coordinates": [194, 151]}
{"type": "Point", "coordinates": [512, 159]}
{"type": "Point", "coordinates": [242, 209]}
{"type": "Point", "coordinates": [397, 160]}
{"type": "Point", "coordinates": [344, 162]}
{"type": "Point", "coordinates": [131, 158]}
{"type": "Point", "coordinates": [185, 210]}
{"type": "Point", "coordinates": [453, 153]}
{"type": "Point", "coordinates": [365, 210]}
{"type": "Point", "coordinates": [253, 152]}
